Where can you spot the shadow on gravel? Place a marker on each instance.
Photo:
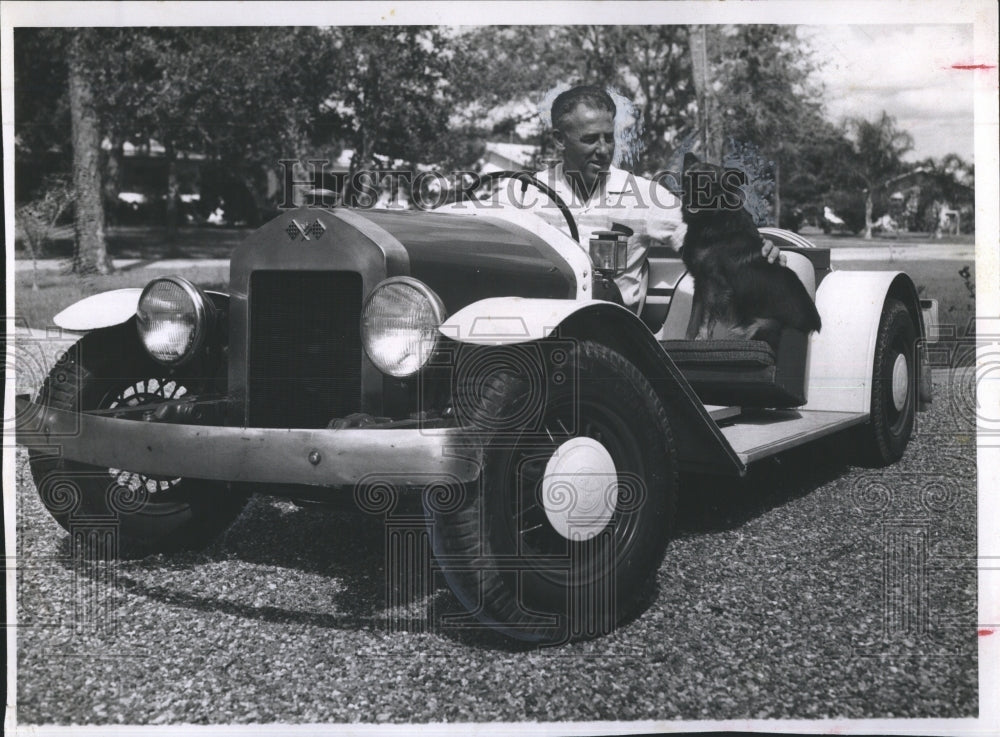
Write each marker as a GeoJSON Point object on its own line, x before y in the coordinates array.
{"type": "Point", "coordinates": [351, 549]}
{"type": "Point", "coordinates": [345, 545]}
{"type": "Point", "coordinates": [718, 503]}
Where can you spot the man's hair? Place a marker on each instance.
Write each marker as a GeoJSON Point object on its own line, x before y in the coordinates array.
{"type": "Point", "coordinates": [586, 94]}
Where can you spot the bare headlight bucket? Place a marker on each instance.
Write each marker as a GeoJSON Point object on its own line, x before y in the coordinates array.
{"type": "Point", "coordinates": [173, 318]}
{"type": "Point", "coordinates": [399, 325]}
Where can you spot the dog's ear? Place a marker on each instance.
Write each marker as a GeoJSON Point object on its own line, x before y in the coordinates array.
{"type": "Point", "coordinates": [690, 161]}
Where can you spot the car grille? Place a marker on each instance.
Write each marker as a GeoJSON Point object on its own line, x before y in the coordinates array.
{"type": "Point", "coordinates": [304, 348]}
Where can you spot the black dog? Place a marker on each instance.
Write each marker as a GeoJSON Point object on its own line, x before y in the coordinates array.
{"type": "Point", "coordinates": [734, 284]}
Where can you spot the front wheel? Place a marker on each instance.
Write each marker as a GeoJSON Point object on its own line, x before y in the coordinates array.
{"type": "Point", "coordinates": [109, 369]}
{"type": "Point", "coordinates": [882, 440]}
{"type": "Point", "coordinates": [564, 532]}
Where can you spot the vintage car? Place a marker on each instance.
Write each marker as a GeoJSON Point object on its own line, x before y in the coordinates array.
{"type": "Point", "coordinates": [480, 358]}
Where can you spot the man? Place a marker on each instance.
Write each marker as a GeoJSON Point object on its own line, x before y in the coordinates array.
{"type": "Point", "coordinates": [599, 194]}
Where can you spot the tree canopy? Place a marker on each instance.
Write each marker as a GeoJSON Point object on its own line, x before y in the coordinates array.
{"type": "Point", "coordinates": [878, 147]}
{"type": "Point", "coordinates": [246, 98]}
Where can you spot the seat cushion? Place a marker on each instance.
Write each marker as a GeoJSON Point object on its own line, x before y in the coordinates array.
{"type": "Point", "coordinates": [748, 353]}
{"type": "Point", "coordinates": [744, 373]}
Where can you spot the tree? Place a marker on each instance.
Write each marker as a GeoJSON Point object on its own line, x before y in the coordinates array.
{"type": "Point", "coordinates": [42, 134]}
{"type": "Point", "coordinates": [753, 88]}
{"type": "Point", "coordinates": [90, 251]}
{"type": "Point", "coordinates": [390, 91]}
{"type": "Point", "coordinates": [945, 182]}
{"type": "Point", "coordinates": [57, 139]}
{"type": "Point", "coordinates": [649, 65]}
{"type": "Point", "coordinates": [764, 99]}
{"type": "Point", "coordinates": [953, 166]}
{"type": "Point", "coordinates": [878, 148]}
{"type": "Point", "coordinates": [243, 97]}
{"type": "Point", "coordinates": [813, 174]}
{"type": "Point", "coordinates": [709, 131]}
{"type": "Point", "coordinates": [36, 219]}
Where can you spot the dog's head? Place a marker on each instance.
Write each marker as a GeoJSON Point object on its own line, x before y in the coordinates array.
{"type": "Point", "coordinates": [709, 189]}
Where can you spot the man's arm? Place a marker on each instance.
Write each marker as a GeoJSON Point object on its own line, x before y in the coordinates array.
{"type": "Point", "coordinates": [664, 218]}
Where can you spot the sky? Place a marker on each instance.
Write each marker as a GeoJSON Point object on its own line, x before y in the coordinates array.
{"type": "Point", "coordinates": [905, 70]}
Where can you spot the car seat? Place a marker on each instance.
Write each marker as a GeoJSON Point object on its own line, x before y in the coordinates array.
{"type": "Point", "coordinates": [744, 373]}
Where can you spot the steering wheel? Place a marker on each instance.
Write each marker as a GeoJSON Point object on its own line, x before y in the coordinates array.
{"type": "Point", "coordinates": [531, 179]}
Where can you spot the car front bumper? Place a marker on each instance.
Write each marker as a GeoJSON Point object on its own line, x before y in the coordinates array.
{"type": "Point", "coordinates": [316, 457]}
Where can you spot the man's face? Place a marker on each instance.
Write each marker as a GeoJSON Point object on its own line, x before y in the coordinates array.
{"type": "Point", "coordinates": [586, 140]}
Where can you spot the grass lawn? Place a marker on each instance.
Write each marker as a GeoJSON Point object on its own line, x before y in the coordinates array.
{"type": "Point", "coordinates": [934, 279]}
{"type": "Point", "coordinates": [57, 290]}
{"type": "Point", "coordinates": [847, 240]}
{"type": "Point", "coordinates": [147, 242]}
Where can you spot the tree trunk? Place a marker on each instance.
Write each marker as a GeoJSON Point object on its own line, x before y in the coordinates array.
{"type": "Point", "coordinates": [113, 180]}
{"type": "Point", "coordinates": [257, 201]}
{"type": "Point", "coordinates": [709, 130]}
{"type": "Point", "coordinates": [359, 163]}
{"type": "Point", "coordinates": [699, 66]}
{"type": "Point", "coordinates": [868, 215]}
{"type": "Point", "coordinates": [170, 154]}
{"type": "Point", "coordinates": [90, 246]}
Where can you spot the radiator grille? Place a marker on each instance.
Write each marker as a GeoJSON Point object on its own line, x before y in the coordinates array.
{"type": "Point", "coordinates": [305, 347]}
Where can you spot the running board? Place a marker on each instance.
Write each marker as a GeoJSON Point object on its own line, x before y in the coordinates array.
{"type": "Point", "coordinates": [759, 434]}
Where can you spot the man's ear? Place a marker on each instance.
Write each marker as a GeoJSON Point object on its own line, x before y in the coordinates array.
{"type": "Point", "coordinates": [559, 138]}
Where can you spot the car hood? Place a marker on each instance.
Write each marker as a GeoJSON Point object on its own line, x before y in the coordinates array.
{"type": "Point", "coordinates": [467, 258]}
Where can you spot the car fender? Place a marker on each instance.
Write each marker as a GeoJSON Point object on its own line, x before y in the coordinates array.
{"type": "Point", "coordinates": [107, 309]}
{"type": "Point", "coordinates": [842, 354]}
{"type": "Point", "coordinates": [102, 310]}
{"type": "Point", "coordinates": [514, 320]}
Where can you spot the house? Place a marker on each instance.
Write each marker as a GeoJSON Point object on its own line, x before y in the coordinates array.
{"type": "Point", "coordinates": [507, 156]}
{"type": "Point", "coordinates": [929, 201]}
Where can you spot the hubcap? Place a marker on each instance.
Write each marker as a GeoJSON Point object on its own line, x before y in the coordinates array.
{"type": "Point", "coordinates": [900, 382]}
{"type": "Point", "coordinates": [580, 488]}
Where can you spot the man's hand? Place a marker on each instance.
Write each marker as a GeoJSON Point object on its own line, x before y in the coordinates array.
{"type": "Point", "coordinates": [772, 253]}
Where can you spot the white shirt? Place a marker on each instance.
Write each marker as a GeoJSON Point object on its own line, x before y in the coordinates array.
{"type": "Point", "coordinates": [650, 210]}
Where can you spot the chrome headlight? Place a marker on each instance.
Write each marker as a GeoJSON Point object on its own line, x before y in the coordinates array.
{"type": "Point", "coordinates": [399, 325]}
{"type": "Point", "coordinates": [173, 318]}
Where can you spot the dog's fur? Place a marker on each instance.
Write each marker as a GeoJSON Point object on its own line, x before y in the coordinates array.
{"type": "Point", "coordinates": [735, 287]}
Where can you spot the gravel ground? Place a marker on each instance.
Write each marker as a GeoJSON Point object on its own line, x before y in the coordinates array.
{"type": "Point", "coordinates": [772, 602]}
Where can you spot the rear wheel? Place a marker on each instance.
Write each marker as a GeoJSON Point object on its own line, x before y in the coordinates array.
{"type": "Point", "coordinates": [884, 437]}
{"type": "Point", "coordinates": [569, 522]}
{"type": "Point", "coordinates": [110, 369]}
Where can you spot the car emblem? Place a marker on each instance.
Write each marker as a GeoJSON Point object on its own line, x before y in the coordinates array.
{"type": "Point", "coordinates": [313, 231]}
